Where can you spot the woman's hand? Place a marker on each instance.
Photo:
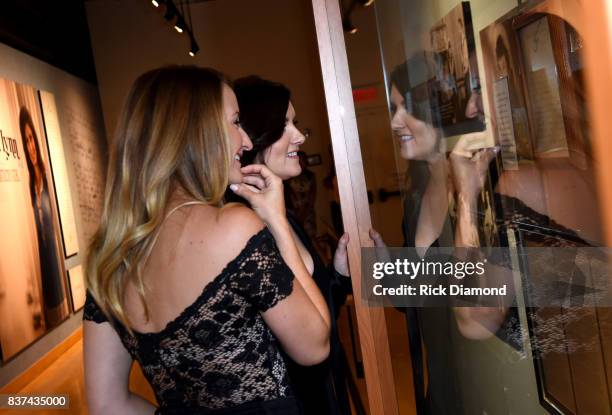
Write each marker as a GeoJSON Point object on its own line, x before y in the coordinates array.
{"type": "Point", "coordinates": [470, 170]}
{"type": "Point", "coordinates": [264, 192]}
{"type": "Point", "coordinates": [341, 256]}
{"type": "Point", "coordinates": [377, 239]}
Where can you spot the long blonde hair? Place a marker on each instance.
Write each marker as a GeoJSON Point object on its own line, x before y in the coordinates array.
{"type": "Point", "coordinates": [171, 133]}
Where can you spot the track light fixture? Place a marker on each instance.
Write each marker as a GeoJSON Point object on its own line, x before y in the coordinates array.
{"type": "Point", "coordinates": [194, 47]}
{"type": "Point", "coordinates": [180, 25]}
{"type": "Point", "coordinates": [180, 21]}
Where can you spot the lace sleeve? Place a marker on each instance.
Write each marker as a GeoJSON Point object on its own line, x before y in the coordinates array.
{"type": "Point", "coordinates": [262, 275]}
{"type": "Point", "coordinates": [91, 311]}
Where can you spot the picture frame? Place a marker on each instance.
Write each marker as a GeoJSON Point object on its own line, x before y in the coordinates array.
{"type": "Point", "coordinates": [33, 285]}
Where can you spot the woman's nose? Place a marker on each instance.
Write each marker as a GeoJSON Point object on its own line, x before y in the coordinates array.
{"type": "Point", "coordinates": [247, 144]}
{"type": "Point", "coordinates": [300, 138]}
{"type": "Point", "coordinates": [397, 123]}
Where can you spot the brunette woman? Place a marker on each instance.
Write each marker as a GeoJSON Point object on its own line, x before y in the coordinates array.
{"type": "Point", "coordinates": [269, 118]}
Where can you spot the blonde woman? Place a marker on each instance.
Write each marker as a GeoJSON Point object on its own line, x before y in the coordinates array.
{"type": "Point", "coordinates": [202, 295]}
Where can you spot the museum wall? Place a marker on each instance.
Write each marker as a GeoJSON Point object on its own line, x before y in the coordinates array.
{"type": "Point", "coordinates": [71, 143]}
{"type": "Point", "coordinates": [271, 38]}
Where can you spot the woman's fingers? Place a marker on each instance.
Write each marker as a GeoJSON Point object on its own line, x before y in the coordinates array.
{"type": "Point", "coordinates": [252, 188]}
{"type": "Point", "coordinates": [265, 173]}
{"type": "Point", "coordinates": [256, 181]}
{"type": "Point", "coordinates": [258, 169]}
{"type": "Point", "coordinates": [341, 256]}
{"type": "Point", "coordinates": [245, 191]}
{"type": "Point", "coordinates": [377, 238]}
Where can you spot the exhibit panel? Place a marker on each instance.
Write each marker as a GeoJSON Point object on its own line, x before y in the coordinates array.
{"type": "Point", "coordinates": [52, 130]}
{"type": "Point", "coordinates": [33, 284]}
{"type": "Point", "coordinates": [491, 143]}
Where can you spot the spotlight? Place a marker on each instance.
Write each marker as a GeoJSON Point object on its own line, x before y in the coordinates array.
{"type": "Point", "coordinates": [180, 25]}
{"type": "Point", "coordinates": [155, 3]}
{"type": "Point", "coordinates": [348, 26]}
{"type": "Point", "coordinates": [194, 48]}
{"type": "Point", "coordinates": [366, 3]}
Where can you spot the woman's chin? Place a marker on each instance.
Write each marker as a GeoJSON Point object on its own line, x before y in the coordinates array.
{"type": "Point", "coordinates": [406, 153]}
{"type": "Point", "coordinates": [235, 177]}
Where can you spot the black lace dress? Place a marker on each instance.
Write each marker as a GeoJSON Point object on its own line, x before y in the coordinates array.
{"type": "Point", "coordinates": [218, 355]}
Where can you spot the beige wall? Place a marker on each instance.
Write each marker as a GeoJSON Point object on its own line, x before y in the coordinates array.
{"type": "Point", "coordinates": [271, 38]}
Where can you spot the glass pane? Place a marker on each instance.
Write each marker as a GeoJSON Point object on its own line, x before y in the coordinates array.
{"type": "Point", "coordinates": [474, 131]}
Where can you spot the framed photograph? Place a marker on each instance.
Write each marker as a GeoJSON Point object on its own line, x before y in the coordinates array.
{"type": "Point", "coordinates": [534, 80]}
{"type": "Point", "coordinates": [508, 109]}
{"type": "Point", "coordinates": [456, 81]}
{"type": "Point", "coordinates": [33, 288]}
{"type": "Point", "coordinates": [77, 287]}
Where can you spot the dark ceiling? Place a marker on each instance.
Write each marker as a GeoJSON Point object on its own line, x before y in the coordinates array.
{"type": "Point", "coordinates": [54, 31]}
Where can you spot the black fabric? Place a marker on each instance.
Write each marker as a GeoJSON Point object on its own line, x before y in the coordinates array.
{"type": "Point", "coordinates": [280, 406]}
{"type": "Point", "coordinates": [322, 389]}
{"type": "Point", "coordinates": [219, 353]}
{"type": "Point", "coordinates": [433, 327]}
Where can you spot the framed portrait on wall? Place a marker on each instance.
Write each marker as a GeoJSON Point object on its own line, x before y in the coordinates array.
{"type": "Point", "coordinates": [33, 292]}
{"type": "Point", "coordinates": [77, 287]}
{"type": "Point", "coordinates": [509, 117]}
{"type": "Point", "coordinates": [456, 82]}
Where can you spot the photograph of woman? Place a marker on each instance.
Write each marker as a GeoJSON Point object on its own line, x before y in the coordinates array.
{"type": "Point", "coordinates": [53, 288]}
{"type": "Point", "coordinates": [32, 285]}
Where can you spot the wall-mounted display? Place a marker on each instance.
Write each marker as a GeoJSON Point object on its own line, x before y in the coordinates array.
{"type": "Point", "coordinates": [60, 174]}
{"type": "Point", "coordinates": [509, 111]}
{"type": "Point", "coordinates": [77, 287]}
{"type": "Point", "coordinates": [88, 162]}
{"type": "Point", "coordinates": [33, 296]}
{"type": "Point", "coordinates": [456, 80]}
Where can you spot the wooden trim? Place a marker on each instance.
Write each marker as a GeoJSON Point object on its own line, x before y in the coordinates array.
{"type": "Point", "coordinates": [598, 59]}
{"type": "Point", "coordinates": [354, 201]}
{"type": "Point", "coordinates": [17, 384]}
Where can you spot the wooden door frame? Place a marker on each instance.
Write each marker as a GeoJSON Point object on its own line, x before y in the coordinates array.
{"type": "Point", "coordinates": [354, 201]}
{"type": "Point", "coordinates": [598, 58]}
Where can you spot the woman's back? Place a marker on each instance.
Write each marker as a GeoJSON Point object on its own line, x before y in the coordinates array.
{"type": "Point", "coordinates": [192, 248]}
{"type": "Point", "coordinates": [206, 344]}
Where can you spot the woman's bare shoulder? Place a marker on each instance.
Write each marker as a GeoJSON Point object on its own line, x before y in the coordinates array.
{"type": "Point", "coordinates": [231, 225]}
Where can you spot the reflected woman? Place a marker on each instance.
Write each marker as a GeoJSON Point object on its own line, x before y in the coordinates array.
{"type": "Point", "coordinates": [435, 182]}
{"type": "Point", "coordinates": [425, 217]}
{"type": "Point", "coordinates": [54, 296]}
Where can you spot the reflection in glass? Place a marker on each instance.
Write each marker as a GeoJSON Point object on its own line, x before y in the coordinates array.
{"type": "Point", "coordinates": [490, 138]}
